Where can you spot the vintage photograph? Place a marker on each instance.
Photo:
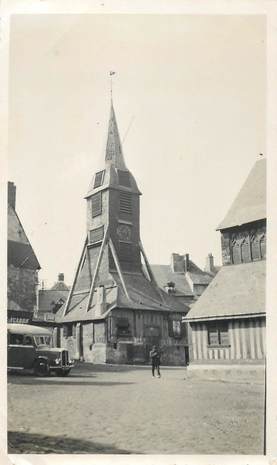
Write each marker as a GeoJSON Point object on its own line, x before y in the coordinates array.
{"type": "Point", "coordinates": [136, 274]}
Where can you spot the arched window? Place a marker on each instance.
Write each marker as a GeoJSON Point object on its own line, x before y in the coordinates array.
{"type": "Point", "coordinates": [255, 246]}
{"type": "Point", "coordinates": [263, 246]}
{"type": "Point", "coordinates": [236, 250]}
{"type": "Point", "coordinates": [245, 250]}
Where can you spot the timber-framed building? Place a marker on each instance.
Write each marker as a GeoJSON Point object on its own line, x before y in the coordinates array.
{"type": "Point", "coordinates": [115, 310]}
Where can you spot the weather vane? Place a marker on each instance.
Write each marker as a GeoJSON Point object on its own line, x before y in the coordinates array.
{"type": "Point", "coordinates": [111, 74]}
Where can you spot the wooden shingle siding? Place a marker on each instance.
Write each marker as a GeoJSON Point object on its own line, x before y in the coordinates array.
{"type": "Point", "coordinates": [246, 341]}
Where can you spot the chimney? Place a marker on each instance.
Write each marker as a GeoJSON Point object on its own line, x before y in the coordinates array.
{"type": "Point", "coordinates": [11, 194]}
{"type": "Point", "coordinates": [177, 263]}
{"type": "Point", "coordinates": [100, 300]}
{"type": "Point", "coordinates": [61, 277]}
{"type": "Point", "coordinates": [209, 268]}
{"type": "Point", "coordinates": [186, 262]}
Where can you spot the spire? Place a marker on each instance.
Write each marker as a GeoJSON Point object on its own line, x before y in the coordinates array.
{"type": "Point", "coordinates": [114, 153]}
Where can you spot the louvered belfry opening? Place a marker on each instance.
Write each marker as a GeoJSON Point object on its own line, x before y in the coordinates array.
{"type": "Point", "coordinates": [125, 203]}
{"type": "Point", "coordinates": [124, 178]}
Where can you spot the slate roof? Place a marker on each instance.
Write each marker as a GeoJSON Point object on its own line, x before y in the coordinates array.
{"type": "Point", "coordinates": [49, 298]}
{"type": "Point", "coordinates": [114, 163]}
{"type": "Point", "coordinates": [164, 275]}
{"type": "Point", "coordinates": [20, 251]}
{"type": "Point", "coordinates": [141, 292]}
{"type": "Point", "coordinates": [236, 290]}
{"type": "Point", "coordinates": [250, 203]}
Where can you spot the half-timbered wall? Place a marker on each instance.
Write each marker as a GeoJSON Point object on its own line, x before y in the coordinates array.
{"type": "Point", "coordinates": [245, 340]}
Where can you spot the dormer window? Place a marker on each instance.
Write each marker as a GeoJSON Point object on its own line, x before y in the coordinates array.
{"type": "Point", "coordinates": [99, 178]}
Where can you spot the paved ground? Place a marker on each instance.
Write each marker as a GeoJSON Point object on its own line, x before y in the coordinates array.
{"type": "Point", "coordinates": [123, 410]}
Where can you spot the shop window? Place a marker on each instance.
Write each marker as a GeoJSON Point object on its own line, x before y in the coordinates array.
{"type": "Point", "coordinates": [218, 334]}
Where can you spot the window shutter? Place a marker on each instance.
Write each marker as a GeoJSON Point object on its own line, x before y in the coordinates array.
{"type": "Point", "coordinates": [124, 178]}
{"type": "Point", "coordinates": [98, 180]}
{"type": "Point", "coordinates": [96, 204]}
{"type": "Point", "coordinates": [125, 202]}
{"type": "Point", "coordinates": [126, 252]}
{"type": "Point", "coordinates": [96, 235]}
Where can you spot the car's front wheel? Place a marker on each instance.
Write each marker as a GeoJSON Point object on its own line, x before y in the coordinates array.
{"type": "Point", "coordinates": [42, 368]}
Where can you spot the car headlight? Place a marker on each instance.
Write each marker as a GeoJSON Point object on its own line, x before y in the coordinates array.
{"type": "Point", "coordinates": [57, 361]}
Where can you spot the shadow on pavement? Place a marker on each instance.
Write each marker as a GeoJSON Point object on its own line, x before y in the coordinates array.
{"type": "Point", "coordinates": [30, 443]}
{"type": "Point", "coordinates": [53, 381]}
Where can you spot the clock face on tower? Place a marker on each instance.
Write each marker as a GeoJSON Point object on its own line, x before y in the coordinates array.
{"type": "Point", "coordinates": [124, 232]}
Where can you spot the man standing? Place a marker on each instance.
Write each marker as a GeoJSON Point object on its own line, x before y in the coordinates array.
{"type": "Point", "coordinates": [155, 359]}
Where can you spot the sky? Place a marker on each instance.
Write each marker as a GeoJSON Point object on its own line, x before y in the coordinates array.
{"type": "Point", "coordinates": [192, 91]}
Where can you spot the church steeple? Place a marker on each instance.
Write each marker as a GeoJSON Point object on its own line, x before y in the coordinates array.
{"type": "Point", "coordinates": [114, 153]}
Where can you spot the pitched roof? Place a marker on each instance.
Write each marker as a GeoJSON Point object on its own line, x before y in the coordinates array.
{"type": "Point", "coordinates": [114, 152]}
{"type": "Point", "coordinates": [115, 164]}
{"type": "Point", "coordinates": [20, 251]}
{"type": "Point", "coordinates": [236, 290]}
{"type": "Point", "coordinates": [143, 296]}
{"type": "Point", "coordinates": [164, 275]}
{"type": "Point", "coordinates": [50, 298]}
{"type": "Point", "coordinates": [250, 203]}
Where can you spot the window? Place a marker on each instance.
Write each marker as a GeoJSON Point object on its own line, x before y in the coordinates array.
{"type": "Point", "coordinates": [96, 204]}
{"type": "Point", "coordinates": [124, 178]}
{"type": "Point", "coordinates": [122, 327]}
{"type": "Point", "coordinates": [175, 328]}
{"type": "Point", "coordinates": [263, 246]}
{"type": "Point", "coordinates": [99, 178]}
{"type": "Point", "coordinates": [16, 339]}
{"type": "Point", "coordinates": [255, 247]}
{"type": "Point", "coordinates": [96, 235]}
{"type": "Point", "coordinates": [218, 334]}
{"type": "Point", "coordinates": [125, 202]}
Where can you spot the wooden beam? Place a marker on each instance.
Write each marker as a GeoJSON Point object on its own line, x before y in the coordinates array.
{"type": "Point", "coordinates": [97, 268]}
{"type": "Point", "coordinates": [76, 276]}
{"type": "Point", "coordinates": [149, 271]}
{"type": "Point", "coordinates": [117, 264]}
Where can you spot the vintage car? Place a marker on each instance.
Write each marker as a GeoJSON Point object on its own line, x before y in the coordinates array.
{"type": "Point", "coordinates": [30, 348]}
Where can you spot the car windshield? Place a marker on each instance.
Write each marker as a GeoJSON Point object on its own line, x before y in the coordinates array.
{"type": "Point", "coordinates": [42, 340]}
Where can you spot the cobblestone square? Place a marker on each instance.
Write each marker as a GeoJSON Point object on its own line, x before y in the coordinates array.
{"type": "Point", "coordinates": [123, 410]}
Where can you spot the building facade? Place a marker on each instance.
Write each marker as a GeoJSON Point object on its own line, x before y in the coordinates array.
{"type": "Point", "coordinates": [23, 267]}
{"type": "Point", "coordinates": [50, 301]}
{"type": "Point", "coordinates": [183, 279]}
{"type": "Point", "coordinates": [115, 310]}
{"type": "Point", "coordinates": [228, 321]}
